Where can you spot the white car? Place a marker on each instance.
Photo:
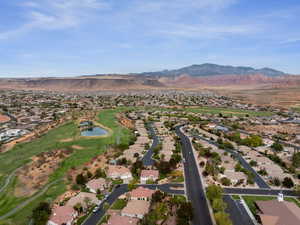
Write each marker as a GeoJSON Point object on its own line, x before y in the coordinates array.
{"type": "Point", "coordinates": [96, 209]}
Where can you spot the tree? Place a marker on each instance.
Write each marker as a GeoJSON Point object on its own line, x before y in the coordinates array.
{"type": "Point", "coordinates": [78, 207]}
{"type": "Point", "coordinates": [218, 205]}
{"type": "Point", "coordinates": [253, 163]}
{"type": "Point", "coordinates": [100, 173]}
{"type": "Point", "coordinates": [276, 146]}
{"type": "Point", "coordinates": [136, 168]}
{"type": "Point", "coordinates": [163, 167]}
{"type": "Point", "coordinates": [80, 179]}
{"type": "Point", "coordinates": [41, 213]}
{"type": "Point", "coordinates": [132, 185]}
{"type": "Point", "coordinates": [276, 181]}
{"type": "Point", "coordinates": [184, 213]}
{"type": "Point", "coordinates": [288, 182]}
{"type": "Point", "coordinates": [157, 196]}
{"type": "Point", "coordinates": [296, 159]}
{"type": "Point", "coordinates": [225, 181]}
{"type": "Point", "coordinates": [222, 218]}
{"type": "Point", "coordinates": [213, 191]}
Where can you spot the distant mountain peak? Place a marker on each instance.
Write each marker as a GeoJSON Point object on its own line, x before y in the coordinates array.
{"type": "Point", "coordinates": [210, 69]}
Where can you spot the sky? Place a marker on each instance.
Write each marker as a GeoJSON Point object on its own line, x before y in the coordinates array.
{"type": "Point", "coordinates": [76, 37]}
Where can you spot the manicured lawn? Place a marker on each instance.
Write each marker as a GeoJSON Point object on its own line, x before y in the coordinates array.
{"type": "Point", "coordinates": [119, 204]}
{"type": "Point", "coordinates": [92, 147]}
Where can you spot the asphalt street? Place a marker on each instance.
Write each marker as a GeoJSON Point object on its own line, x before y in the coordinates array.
{"type": "Point", "coordinates": [266, 192]}
{"type": "Point", "coordinates": [257, 178]}
{"type": "Point", "coordinates": [147, 159]}
{"type": "Point", "coordinates": [194, 188]}
{"type": "Point", "coordinates": [94, 218]}
{"type": "Point", "coordinates": [237, 211]}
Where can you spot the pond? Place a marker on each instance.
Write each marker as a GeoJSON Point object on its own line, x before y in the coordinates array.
{"type": "Point", "coordinates": [94, 132]}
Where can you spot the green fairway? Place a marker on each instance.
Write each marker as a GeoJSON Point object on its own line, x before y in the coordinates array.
{"type": "Point", "coordinates": [21, 154]}
{"type": "Point", "coordinates": [227, 111]}
{"type": "Point", "coordinates": [217, 110]}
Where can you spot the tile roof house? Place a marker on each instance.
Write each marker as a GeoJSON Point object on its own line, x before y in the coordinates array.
{"type": "Point", "coordinates": [124, 220]}
{"type": "Point", "coordinates": [136, 209]}
{"type": "Point", "coordinates": [141, 193]}
{"type": "Point", "coordinates": [97, 184]}
{"type": "Point", "coordinates": [83, 198]}
{"type": "Point", "coordinates": [121, 172]}
{"type": "Point", "coordinates": [62, 215]}
{"type": "Point", "coordinates": [149, 175]}
{"type": "Point", "coordinates": [274, 212]}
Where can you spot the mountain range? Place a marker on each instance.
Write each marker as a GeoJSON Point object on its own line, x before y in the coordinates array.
{"type": "Point", "coordinates": [209, 69]}
{"type": "Point", "coordinates": [191, 77]}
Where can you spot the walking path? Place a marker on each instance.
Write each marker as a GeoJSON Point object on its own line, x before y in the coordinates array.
{"type": "Point", "coordinates": [29, 200]}
{"type": "Point", "coordinates": [7, 180]}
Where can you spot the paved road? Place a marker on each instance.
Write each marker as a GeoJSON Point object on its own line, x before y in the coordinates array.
{"type": "Point", "coordinates": [237, 212]}
{"type": "Point", "coordinates": [266, 192]}
{"type": "Point", "coordinates": [257, 178]}
{"type": "Point", "coordinates": [171, 188]}
{"type": "Point", "coordinates": [147, 159]}
{"type": "Point", "coordinates": [194, 188]}
{"type": "Point", "coordinates": [95, 218]}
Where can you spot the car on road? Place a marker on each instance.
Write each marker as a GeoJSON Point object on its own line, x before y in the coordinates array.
{"type": "Point", "coordinates": [96, 209]}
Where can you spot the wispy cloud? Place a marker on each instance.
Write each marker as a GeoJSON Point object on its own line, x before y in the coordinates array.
{"type": "Point", "coordinates": [55, 14]}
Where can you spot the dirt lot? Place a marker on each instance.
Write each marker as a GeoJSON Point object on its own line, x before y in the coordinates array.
{"type": "Point", "coordinates": [285, 97]}
{"type": "Point", "coordinates": [275, 129]}
{"type": "Point", "coordinates": [35, 174]}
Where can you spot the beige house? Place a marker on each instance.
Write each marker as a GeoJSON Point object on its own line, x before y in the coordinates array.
{"type": "Point", "coordinates": [124, 220]}
{"type": "Point", "coordinates": [97, 184]}
{"type": "Point", "coordinates": [115, 172]}
{"type": "Point", "coordinates": [274, 212]}
{"type": "Point", "coordinates": [84, 199]}
{"type": "Point", "coordinates": [136, 209]}
{"type": "Point", "coordinates": [62, 215]}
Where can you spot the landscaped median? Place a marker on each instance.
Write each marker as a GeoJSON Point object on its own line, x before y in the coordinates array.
{"type": "Point", "coordinates": [21, 154]}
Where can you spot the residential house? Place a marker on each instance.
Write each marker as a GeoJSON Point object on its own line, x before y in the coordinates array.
{"type": "Point", "coordinates": [120, 172]}
{"type": "Point", "coordinates": [62, 215]}
{"type": "Point", "coordinates": [141, 193]}
{"type": "Point", "coordinates": [278, 212]}
{"type": "Point", "coordinates": [147, 175]}
{"type": "Point", "coordinates": [84, 199]}
{"type": "Point", "coordinates": [97, 184]}
{"type": "Point", "coordinates": [136, 209]}
{"type": "Point", "coordinates": [124, 220]}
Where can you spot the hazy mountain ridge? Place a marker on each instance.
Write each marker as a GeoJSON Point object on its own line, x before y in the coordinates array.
{"type": "Point", "coordinates": [195, 76]}
{"type": "Point", "coordinates": [209, 69]}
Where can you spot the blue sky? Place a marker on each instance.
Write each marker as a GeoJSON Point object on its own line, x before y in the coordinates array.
{"type": "Point", "coordinates": [74, 37]}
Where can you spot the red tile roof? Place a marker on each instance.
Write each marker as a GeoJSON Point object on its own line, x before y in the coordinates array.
{"type": "Point", "coordinates": [149, 173]}
{"type": "Point", "coordinates": [62, 214]}
{"type": "Point", "coordinates": [141, 192]}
